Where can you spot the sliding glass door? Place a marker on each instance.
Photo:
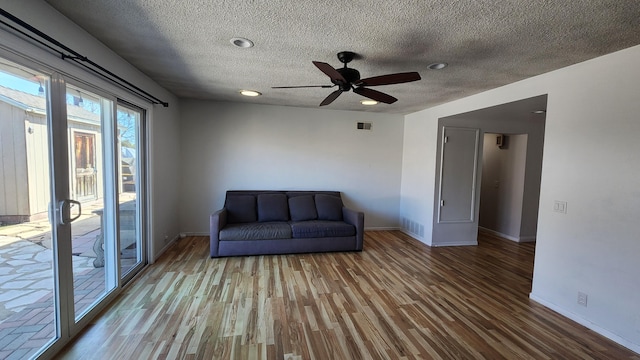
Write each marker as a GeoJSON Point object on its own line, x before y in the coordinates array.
{"type": "Point", "coordinates": [90, 177]}
{"type": "Point", "coordinates": [28, 273]}
{"type": "Point", "coordinates": [71, 205]}
{"type": "Point", "coordinates": [130, 147]}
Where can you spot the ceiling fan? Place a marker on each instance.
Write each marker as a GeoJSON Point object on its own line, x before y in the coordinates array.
{"type": "Point", "coordinates": [349, 79]}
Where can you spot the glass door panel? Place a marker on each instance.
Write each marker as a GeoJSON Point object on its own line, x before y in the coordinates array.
{"type": "Point", "coordinates": [88, 119]}
{"type": "Point", "coordinates": [28, 316]}
{"type": "Point", "coordinates": [129, 210]}
{"type": "Point", "coordinates": [71, 206]}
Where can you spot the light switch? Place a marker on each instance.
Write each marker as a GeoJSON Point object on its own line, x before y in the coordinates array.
{"type": "Point", "coordinates": [560, 206]}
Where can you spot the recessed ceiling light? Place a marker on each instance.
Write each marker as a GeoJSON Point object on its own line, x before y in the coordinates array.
{"type": "Point", "coordinates": [437, 66]}
{"type": "Point", "coordinates": [368, 102]}
{"type": "Point", "coordinates": [241, 42]}
{"type": "Point", "coordinates": [539, 112]}
{"type": "Point", "coordinates": [250, 93]}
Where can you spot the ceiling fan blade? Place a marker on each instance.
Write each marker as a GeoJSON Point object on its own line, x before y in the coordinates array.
{"type": "Point", "coordinates": [375, 95]}
{"type": "Point", "coordinates": [329, 71]}
{"type": "Point", "coordinates": [329, 99]}
{"type": "Point", "coordinates": [389, 79]}
{"type": "Point", "coordinates": [302, 86]}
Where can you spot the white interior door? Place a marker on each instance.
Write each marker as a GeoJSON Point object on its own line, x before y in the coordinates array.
{"type": "Point", "coordinates": [456, 208]}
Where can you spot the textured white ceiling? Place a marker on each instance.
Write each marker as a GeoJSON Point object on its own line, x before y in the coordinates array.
{"type": "Point", "coordinates": [184, 45]}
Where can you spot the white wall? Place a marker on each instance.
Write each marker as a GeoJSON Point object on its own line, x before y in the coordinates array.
{"type": "Point", "coordinates": [418, 173]}
{"type": "Point", "coordinates": [590, 150]}
{"type": "Point", "coordinates": [227, 146]}
{"type": "Point", "coordinates": [164, 124]}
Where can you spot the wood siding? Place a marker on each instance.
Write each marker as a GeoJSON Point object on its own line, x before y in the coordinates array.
{"type": "Point", "coordinates": [38, 164]}
{"type": "Point", "coordinates": [24, 182]}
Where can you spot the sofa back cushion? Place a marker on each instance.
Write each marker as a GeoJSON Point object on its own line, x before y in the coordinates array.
{"type": "Point", "coordinates": [273, 207]}
{"type": "Point", "coordinates": [241, 209]}
{"type": "Point", "coordinates": [302, 208]}
{"type": "Point", "coordinates": [329, 207]}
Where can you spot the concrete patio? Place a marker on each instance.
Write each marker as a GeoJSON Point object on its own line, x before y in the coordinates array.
{"type": "Point", "coordinates": [26, 280]}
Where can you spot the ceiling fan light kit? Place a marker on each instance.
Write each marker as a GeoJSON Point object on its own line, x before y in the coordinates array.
{"type": "Point", "coordinates": [346, 79]}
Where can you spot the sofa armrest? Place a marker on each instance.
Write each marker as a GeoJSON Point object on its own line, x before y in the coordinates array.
{"type": "Point", "coordinates": [217, 221]}
{"type": "Point", "coordinates": [355, 218]}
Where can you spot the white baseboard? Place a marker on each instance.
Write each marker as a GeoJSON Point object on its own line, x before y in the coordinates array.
{"type": "Point", "coordinates": [527, 239]}
{"type": "Point", "coordinates": [381, 228]}
{"type": "Point", "coordinates": [456, 243]}
{"type": "Point", "coordinates": [588, 324]}
{"type": "Point", "coordinates": [509, 237]}
{"type": "Point", "coordinates": [164, 248]}
{"type": "Point", "coordinates": [193, 233]}
{"type": "Point", "coordinates": [415, 236]}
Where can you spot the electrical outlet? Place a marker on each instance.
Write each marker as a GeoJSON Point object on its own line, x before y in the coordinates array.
{"type": "Point", "coordinates": [582, 299]}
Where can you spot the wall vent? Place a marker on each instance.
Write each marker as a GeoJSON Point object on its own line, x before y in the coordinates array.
{"type": "Point", "coordinates": [412, 227]}
{"type": "Point", "coordinates": [363, 126]}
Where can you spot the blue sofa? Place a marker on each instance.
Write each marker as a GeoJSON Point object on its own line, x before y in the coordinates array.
{"type": "Point", "coordinates": [284, 222]}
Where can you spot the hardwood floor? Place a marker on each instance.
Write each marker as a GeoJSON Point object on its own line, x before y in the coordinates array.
{"type": "Point", "coordinates": [398, 299]}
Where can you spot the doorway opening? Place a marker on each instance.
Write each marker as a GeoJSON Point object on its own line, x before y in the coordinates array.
{"type": "Point", "coordinates": [521, 126]}
{"type": "Point", "coordinates": [502, 195]}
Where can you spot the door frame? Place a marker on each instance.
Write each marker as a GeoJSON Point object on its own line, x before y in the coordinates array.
{"type": "Point", "coordinates": [61, 230]}
{"type": "Point", "coordinates": [141, 182]}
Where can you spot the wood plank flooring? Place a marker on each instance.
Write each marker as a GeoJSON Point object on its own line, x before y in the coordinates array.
{"type": "Point", "coordinates": [398, 299]}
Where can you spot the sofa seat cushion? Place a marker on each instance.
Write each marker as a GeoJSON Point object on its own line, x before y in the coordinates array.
{"type": "Point", "coordinates": [319, 228]}
{"type": "Point", "coordinates": [256, 231]}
